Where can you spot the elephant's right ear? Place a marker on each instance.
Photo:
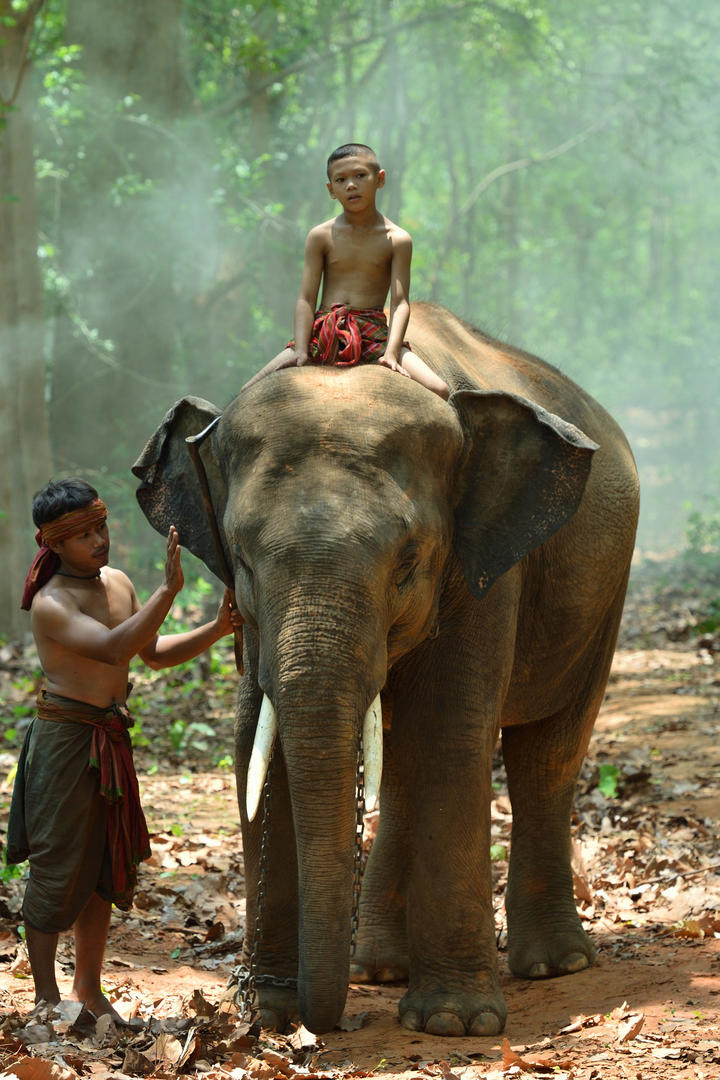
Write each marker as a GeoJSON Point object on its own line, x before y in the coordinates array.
{"type": "Point", "coordinates": [170, 491]}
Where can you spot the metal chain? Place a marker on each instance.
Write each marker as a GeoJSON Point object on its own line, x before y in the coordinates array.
{"type": "Point", "coordinates": [359, 825]}
{"type": "Point", "coordinates": [244, 975]}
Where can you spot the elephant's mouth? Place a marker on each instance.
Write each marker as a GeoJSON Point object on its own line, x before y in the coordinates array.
{"type": "Point", "coordinates": [266, 732]}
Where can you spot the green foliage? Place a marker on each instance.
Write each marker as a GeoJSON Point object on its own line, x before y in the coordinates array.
{"type": "Point", "coordinates": [608, 780]}
{"type": "Point", "coordinates": [12, 871]}
{"type": "Point", "coordinates": [560, 200]}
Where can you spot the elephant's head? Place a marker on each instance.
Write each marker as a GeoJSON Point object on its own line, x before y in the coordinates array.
{"type": "Point", "coordinates": [347, 502]}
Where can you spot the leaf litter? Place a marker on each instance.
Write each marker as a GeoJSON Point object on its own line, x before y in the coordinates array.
{"type": "Point", "coordinates": [645, 867]}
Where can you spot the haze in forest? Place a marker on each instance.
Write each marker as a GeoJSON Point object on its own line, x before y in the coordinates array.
{"type": "Point", "coordinates": [555, 165]}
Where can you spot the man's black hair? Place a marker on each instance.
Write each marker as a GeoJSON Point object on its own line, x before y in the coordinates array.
{"type": "Point", "coordinates": [351, 150]}
{"type": "Point", "coordinates": [60, 497]}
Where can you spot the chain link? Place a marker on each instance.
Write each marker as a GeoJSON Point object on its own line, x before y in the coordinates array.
{"type": "Point", "coordinates": [359, 826]}
{"type": "Point", "coordinates": [245, 975]}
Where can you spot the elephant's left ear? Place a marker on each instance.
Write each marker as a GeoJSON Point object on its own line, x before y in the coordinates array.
{"type": "Point", "coordinates": [523, 477]}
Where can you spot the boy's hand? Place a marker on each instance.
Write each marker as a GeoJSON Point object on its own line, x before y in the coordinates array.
{"type": "Point", "coordinates": [228, 617]}
{"type": "Point", "coordinates": [300, 358]}
{"type": "Point", "coordinates": [174, 579]}
{"type": "Point", "coordinates": [393, 364]}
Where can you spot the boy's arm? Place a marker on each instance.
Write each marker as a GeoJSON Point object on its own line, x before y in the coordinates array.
{"type": "Point", "coordinates": [399, 299]}
{"type": "Point", "coordinates": [169, 650]}
{"type": "Point", "coordinates": [58, 619]}
{"type": "Point", "coordinates": [309, 288]}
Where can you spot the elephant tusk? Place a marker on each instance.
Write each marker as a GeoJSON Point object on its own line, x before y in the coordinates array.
{"type": "Point", "coordinates": [372, 753]}
{"type": "Point", "coordinates": [265, 733]}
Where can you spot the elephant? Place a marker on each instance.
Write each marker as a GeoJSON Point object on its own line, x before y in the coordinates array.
{"type": "Point", "coordinates": [467, 560]}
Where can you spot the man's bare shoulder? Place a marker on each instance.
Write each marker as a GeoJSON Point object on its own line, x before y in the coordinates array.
{"type": "Point", "coordinates": [63, 591]}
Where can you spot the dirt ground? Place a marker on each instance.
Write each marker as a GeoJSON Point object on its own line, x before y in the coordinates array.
{"type": "Point", "coordinates": [647, 884]}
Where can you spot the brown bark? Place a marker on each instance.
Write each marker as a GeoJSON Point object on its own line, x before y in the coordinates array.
{"type": "Point", "coordinates": [105, 400]}
{"type": "Point", "coordinates": [24, 441]}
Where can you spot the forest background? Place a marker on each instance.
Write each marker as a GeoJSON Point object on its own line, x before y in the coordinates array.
{"type": "Point", "coordinates": [555, 161]}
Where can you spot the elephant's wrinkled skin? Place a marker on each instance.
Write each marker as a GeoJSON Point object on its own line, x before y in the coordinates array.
{"type": "Point", "coordinates": [470, 559]}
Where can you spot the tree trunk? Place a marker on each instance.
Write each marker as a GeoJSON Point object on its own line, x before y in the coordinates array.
{"type": "Point", "coordinates": [127, 227]}
{"type": "Point", "coordinates": [24, 441]}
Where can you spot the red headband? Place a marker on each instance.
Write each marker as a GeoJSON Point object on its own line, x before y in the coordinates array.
{"type": "Point", "coordinates": [61, 528]}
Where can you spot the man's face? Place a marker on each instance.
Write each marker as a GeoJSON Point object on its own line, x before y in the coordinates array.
{"type": "Point", "coordinates": [85, 553]}
{"type": "Point", "coordinates": [354, 181]}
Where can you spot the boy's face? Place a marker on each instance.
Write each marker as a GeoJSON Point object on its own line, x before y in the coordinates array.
{"type": "Point", "coordinates": [354, 182]}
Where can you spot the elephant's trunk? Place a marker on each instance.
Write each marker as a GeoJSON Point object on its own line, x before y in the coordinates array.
{"type": "Point", "coordinates": [321, 679]}
{"type": "Point", "coordinates": [321, 763]}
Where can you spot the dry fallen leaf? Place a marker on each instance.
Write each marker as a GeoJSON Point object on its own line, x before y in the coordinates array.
{"type": "Point", "coordinates": [31, 1068]}
{"type": "Point", "coordinates": [532, 1063]}
{"type": "Point", "coordinates": [630, 1028]}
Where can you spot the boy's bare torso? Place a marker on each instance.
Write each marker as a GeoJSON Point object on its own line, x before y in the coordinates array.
{"type": "Point", "coordinates": [110, 600]}
{"type": "Point", "coordinates": [357, 261]}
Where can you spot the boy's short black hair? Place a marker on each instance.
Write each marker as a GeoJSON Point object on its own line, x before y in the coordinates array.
{"type": "Point", "coordinates": [59, 497]}
{"type": "Point", "coordinates": [351, 150]}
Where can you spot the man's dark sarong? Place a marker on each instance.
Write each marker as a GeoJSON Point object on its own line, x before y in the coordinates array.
{"type": "Point", "coordinates": [75, 812]}
{"type": "Point", "coordinates": [344, 336]}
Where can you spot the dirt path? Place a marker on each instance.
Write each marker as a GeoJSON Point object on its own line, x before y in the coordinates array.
{"type": "Point", "coordinates": [647, 882]}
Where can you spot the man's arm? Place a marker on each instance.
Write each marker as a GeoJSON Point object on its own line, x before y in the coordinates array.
{"type": "Point", "coordinates": [309, 288]}
{"type": "Point", "coordinates": [399, 299]}
{"type": "Point", "coordinates": [64, 623]}
{"type": "Point", "coordinates": [169, 650]}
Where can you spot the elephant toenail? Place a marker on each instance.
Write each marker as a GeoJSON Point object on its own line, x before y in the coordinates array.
{"type": "Point", "coordinates": [540, 970]}
{"type": "Point", "coordinates": [575, 962]}
{"type": "Point", "coordinates": [411, 1020]}
{"type": "Point", "coordinates": [445, 1023]}
{"type": "Point", "coordinates": [271, 1020]}
{"type": "Point", "coordinates": [486, 1023]}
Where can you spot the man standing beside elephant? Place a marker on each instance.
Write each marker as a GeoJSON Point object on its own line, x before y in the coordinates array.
{"type": "Point", "coordinates": [75, 810]}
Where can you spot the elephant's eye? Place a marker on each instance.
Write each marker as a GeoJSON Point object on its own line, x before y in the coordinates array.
{"type": "Point", "coordinates": [240, 561]}
{"type": "Point", "coordinates": [406, 567]}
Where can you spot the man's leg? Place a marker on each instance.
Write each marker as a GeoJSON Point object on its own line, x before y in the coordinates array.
{"type": "Point", "coordinates": [41, 949]}
{"type": "Point", "coordinates": [418, 370]}
{"type": "Point", "coordinates": [91, 931]}
{"type": "Point", "coordinates": [284, 359]}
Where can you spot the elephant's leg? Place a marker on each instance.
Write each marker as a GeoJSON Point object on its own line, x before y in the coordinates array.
{"type": "Point", "coordinates": [543, 759]}
{"type": "Point", "coordinates": [272, 912]}
{"type": "Point", "coordinates": [453, 986]}
{"type": "Point", "coordinates": [445, 728]}
{"type": "Point", "coordinates": [381, 953]}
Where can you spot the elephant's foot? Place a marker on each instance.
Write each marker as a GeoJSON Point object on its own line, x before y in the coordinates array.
{"type": "Point", "coordinates": [379, 960]}
{"type": "Point", "coordinates": [445, 1013]}
{"type": "Point", "coordinates": [277, 1007]}
{"type": "Point", "coordinates": [542, 954]}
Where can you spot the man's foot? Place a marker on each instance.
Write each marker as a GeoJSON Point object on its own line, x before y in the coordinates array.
{"type": "Point", "coordinates": [42, 1009]}
{"type": "Point", "coordinates": [98, 1005]}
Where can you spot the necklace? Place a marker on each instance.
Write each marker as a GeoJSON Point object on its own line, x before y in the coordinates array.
{"type": "Point", "coordinates": [80, 577]}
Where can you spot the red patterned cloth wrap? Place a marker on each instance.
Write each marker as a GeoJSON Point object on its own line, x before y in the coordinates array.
{"type": "Point", "coordinates": [46, 561]}
{"type": "Point", "coordinates": [343, 336]}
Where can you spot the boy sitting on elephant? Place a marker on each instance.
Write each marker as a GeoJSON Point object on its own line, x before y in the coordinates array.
{"type": "Point", "coordinates": [359, 256]}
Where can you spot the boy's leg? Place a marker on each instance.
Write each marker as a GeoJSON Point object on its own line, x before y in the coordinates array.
{"type": "Point", "coordinates": [41, 949]}
{"type": "Point", "coordinates": [284, 359]}
{"type": "Point", "coordinates": [91, 931]}
{"type": "Point", "coordinates": [418, 370]}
